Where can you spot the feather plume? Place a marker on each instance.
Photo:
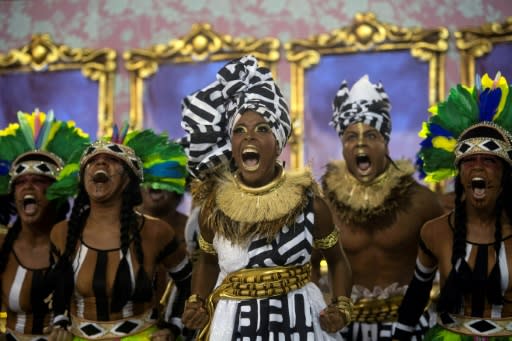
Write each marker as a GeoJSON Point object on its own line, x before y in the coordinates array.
{"type": "Point", "coordinates": [168, 169]}
{"type": "Point", "coordinates": [26, 129]}
{"type": "Point", "coordinates": [44, 133]}
{"type": "Point", "coordinates": [37, 127]}
{"type": "Point", "coordinates": [488, 105]}
{"type": "Point", "coordinates": [124, 131]}
{"type": "Point", "coordinates": [488, 100]}
{"type": "Point", "coordinates": [41, 131]}
{"type": "Point", "coordinates": [164, 162]}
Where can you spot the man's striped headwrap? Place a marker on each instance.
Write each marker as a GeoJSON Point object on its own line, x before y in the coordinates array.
{"type": "Point", "coordinates": [366, 103]}
{"type": "Point", "coordinates": [208, 115]}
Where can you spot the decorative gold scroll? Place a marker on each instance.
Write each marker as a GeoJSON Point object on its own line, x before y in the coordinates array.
{"type": "Point", "coordinates": [42, 54]}
{"type": "Point", "coordinates": [476, 42]}
{"type": "Point", "coordinates": [366, 34]}
{"type": "Point", "coordinates": [199, 45]}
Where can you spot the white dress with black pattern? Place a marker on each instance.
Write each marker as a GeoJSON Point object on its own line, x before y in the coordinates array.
{"type": "Point", "coordinates": [294, 316]}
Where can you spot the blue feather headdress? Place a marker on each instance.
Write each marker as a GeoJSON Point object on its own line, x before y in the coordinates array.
{"type": "Point", "coordinates": [487, 104]}
{"type": "Point", "coordinates": [156, 161]}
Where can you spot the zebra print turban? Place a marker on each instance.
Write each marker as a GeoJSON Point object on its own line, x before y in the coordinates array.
{"type": "Point", "coordinates": [208, 115]}
{"type": "Point", "coordinates": [365, 103]}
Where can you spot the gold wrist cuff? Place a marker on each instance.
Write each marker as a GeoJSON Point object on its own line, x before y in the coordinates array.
{"type": "Point", "coordinates": [345, 306]}
{"type": "Point", "coordinates": [328, 241]}
{"type": "Point", "coordinates": [195, 298]}
{"type": "Point", "coordinates": [205, 246]}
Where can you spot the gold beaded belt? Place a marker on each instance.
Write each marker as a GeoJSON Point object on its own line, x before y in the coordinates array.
{"type": "Point", "coordinates": [477, 326]}
{"type": "Point", "coordinates": [371, 310]}
{"type": "Point", "coordinates": [257, 283]}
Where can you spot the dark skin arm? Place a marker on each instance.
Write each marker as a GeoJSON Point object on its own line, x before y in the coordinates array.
{"type": "Point", "coordinates": [340, 273]}
{"type": "Point", "coordinates": [204, 276]}
{"type": "Point", "coordinates": [58, 237]}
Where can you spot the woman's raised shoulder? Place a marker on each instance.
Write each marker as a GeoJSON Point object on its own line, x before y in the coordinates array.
{"type": "Point", "coordinates": [436, 230]}
{"type": "Point", "coordinates": [59, 234]}
{"type": "Point", "coordinates": [157, 229]}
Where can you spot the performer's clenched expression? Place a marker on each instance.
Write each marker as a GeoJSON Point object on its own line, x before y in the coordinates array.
{"type": "Point", "coordinates": [364, 151]}
{"type": "Point", "coordinates": [255, 149]}
{"type": "Point", "coordinates": [29, 196]}
{"type": "Point", "coordinates": [105, 177]}
{"type": "Point", "coordinates": [480, 175]}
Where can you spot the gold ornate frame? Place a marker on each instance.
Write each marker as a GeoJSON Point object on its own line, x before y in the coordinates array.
{"type": "Point", "coordinates": [366, 34]}
{"type": "Point", "coordinates": [201, 44]}
{"type": "Point", "coordinates": [42, 54]}
{"type": "Point", "coordinates": [476, 42]}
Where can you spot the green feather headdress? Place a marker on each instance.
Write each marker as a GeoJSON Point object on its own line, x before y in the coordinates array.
{"type": "Point", "coordinates": [488, 103]}
{"type": "Point", "coordinates": [156, 161]}
{"type": "Point", "coordinates": [38, 144]}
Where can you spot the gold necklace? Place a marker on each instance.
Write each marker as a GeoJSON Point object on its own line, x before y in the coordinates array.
{"type": "Point", "coordinates": [274, 184]}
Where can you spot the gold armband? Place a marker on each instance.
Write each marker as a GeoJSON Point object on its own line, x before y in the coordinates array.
{"type": "Point", "coordinates": [205, 246]}
{"type": "Point", "coordinates": [345, 306]}
{"type": "Point", "coordinates": [328, 241]}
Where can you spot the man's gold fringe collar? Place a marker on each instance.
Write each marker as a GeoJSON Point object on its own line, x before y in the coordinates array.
{"type": "Point", "coordinates": [358, 202]}
{"type": "Point", "coordinates": [241, 213]}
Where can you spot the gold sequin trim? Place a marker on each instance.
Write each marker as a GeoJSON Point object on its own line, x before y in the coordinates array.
{"type": "Point", "coordinates": [205, 246]}
{"type": "Point", "coordinates": [345, 306]}
{"type": "Point", "coordinates": [328, 241]}
{"type": "Point", "coordinates": [369, 310]}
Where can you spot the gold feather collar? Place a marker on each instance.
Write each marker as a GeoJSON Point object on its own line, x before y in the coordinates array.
{"type": "Point", "coordinates": [247, 205]}
{"type": "Point", "coordinates": [240, 213]}
{"type": "Point", "coordinates": [359, 202]}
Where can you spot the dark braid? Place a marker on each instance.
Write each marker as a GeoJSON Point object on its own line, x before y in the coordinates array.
{"type": "Point", "coordinates": [499, 211]}
{"type": "Point", "coordinates": [63, 273]}
{"type": "Point", "coordinates": [459, 237]}
{"type": "Point", "coordinates": [122, 290]}
{"type": "Point", "coordinates": [76, 222]}
{"type": "Point", "coordinates": [7, 209]}
{"type": "Point", "coordinates": [507, 192]}
{"type": "Point", "coordinates": [450, 298]}
{"type": "Point", "coordinates": [14, 231]}
{"type": "Point", "coordinates": [494, 291]}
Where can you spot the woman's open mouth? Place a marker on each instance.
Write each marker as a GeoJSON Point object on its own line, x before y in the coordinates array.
{"type": "Point", "coordinates": [29, 204]}
{"type": "Point", "coordinates": [479, 187]}
{"type": "Point", "coordinates": [250, 158]}
{"type": "Point", "coordinates": [100, 176]}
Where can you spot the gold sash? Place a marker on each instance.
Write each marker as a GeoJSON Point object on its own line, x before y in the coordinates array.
{"type": "Point", "coordinates": [255, 283]}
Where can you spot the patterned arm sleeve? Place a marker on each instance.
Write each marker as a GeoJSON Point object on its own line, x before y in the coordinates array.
{"type": "Point", "coordinates": [415, 301]}
{"type": "Point", "coordinates": [181, 275]}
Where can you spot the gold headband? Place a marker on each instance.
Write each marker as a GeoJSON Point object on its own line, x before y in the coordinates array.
{"type": "Point", "coordinates": [33, 162]}
{"type": "Point", "coordinates": [501, 148]}
{"type": "Point", "coordinates": [120, 151]}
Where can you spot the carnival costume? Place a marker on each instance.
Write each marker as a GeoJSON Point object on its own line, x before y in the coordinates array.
{"type": "Point", "coordinates": [471, 121]}
{"type": "Point", "coordinates": [40, 145]}
{"type": "Point", "coordinates": [374, 203]}
{"type": "Point", "coordinates": [121, 308]}
{"type": "Point", "coordinates": [262, 236]}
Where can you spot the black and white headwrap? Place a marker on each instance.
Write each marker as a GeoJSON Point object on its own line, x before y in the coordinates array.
{"type": "Point", "coordinates": [365, 103]}
{"type": "Point", "coordinates": [208, 115]}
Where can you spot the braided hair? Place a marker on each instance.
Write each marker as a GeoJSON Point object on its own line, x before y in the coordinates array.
{"type": "Point", "coordinates": [122, 290]}
{"type": "Point", "coordinates": [61, 207]}
{"type": "Point", "coordinates": [459, 279]}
